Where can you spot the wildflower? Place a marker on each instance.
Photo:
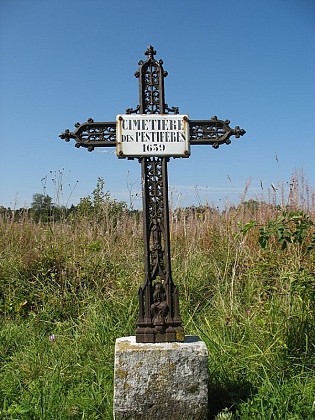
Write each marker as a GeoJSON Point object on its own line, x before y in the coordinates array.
{"type": "Point", "coordinates": [52, 338]}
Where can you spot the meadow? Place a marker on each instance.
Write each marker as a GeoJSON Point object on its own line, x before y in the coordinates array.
{"type": "Point", "coordinates": [246, 275]}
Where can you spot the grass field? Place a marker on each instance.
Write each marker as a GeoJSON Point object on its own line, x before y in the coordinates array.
{"type": "Point", "coordinates": [246, 276]}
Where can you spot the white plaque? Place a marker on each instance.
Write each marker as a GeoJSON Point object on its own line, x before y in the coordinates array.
{"type": "Point", "coordinates": [152, 135]}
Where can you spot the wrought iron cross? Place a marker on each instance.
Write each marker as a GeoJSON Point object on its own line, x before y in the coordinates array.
{"type": "Point", "coordinates": [159, 316]}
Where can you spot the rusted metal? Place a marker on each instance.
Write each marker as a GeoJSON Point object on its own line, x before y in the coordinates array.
{"type": "Point", "coordinates": [159, 315]}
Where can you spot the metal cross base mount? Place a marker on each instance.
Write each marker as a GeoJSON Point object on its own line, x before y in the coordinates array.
{"type": "Point", "coordinates": [159, 316]}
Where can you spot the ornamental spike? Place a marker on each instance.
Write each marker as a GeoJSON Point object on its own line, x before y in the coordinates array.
{"type": "Point", "coordinates": [150, 51]}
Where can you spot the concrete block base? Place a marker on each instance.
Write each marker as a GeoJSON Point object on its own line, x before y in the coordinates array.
{"type": "Point", "coordinates": [161, 380]}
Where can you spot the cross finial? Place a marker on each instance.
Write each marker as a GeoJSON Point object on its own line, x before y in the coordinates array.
{"type": "Point", "coordinates": [150, 51]}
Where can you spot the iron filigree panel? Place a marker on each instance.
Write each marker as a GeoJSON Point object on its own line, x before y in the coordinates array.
{"type": "Point", "coordinates": [92, 134]}
{"type": "Point", "coordinates": [213, 132]}
{"type": "Point", "coordinates": [155, 196]}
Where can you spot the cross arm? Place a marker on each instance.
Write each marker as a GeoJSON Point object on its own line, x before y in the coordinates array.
{"type": "Point", "coordinates": [213, 132]}
{"type": "Point", "coordinates": [92, 134]}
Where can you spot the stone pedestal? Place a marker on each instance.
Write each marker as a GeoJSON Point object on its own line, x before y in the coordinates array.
{"type": "Point", "coordinates": [164, 381]}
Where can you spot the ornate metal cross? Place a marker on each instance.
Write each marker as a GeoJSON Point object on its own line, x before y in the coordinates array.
{"type": "Point", "coordinates": [159, 316]}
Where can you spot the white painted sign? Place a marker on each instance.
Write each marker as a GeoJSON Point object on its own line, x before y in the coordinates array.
{"type": "Point", "coordinates": [152, 135]}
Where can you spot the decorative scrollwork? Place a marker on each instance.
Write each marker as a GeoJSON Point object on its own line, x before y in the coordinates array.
{"type": "Point", "coordinates": [155, 203]}
{"type": "Point", "coordinates": [151, 91]}
{"type": "Point", "coordinates": [135, 110]}
{"type": "Point", "coordinates": [151, 80]}
{"type": "Point", "coordinates": [213, 132]}
{"type": "Point", "coordinates": [172, 110]}
{"type": "Point", "coordinates": [92, 134]}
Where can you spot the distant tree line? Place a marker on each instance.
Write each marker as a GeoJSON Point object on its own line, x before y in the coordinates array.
{"type": "Point", "coordinates": [44, 210]}
{"type": "Point", "coordinates": [101, 205]}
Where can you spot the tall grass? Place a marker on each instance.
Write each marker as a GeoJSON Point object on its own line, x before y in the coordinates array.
{"type": "Point", "coordinates": [69, 288]}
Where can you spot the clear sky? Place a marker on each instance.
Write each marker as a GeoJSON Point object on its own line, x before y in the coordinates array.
{"type": "Point", "coordinates": [63, 61]}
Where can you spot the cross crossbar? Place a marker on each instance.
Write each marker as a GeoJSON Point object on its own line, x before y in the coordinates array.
{"type": "Point", "coordinates": [211, 132]}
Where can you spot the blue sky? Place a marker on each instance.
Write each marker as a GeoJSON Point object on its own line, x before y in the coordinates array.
{"type": "Point", "coordinates": [63, 61]}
